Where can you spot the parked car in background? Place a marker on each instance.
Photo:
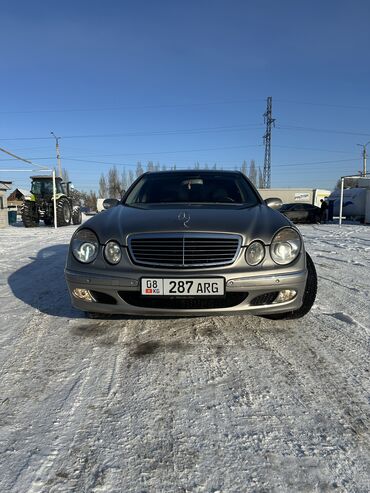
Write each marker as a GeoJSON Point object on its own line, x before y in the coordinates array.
{"type": "Point", "coordinates": [186, 243]}
{"type": "Point", "coordinates": [301, 213]}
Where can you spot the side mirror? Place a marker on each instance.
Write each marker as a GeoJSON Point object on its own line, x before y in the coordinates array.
{"type": "Point", "coordinates": [109, 203]}
{"type": "Point", "coordinates": [274, 202]}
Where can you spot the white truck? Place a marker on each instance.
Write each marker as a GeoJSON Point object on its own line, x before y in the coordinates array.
{"type": "Point", "coordinates": [356, 202]}
{"type": "Point", "coordinates": [299, 195]}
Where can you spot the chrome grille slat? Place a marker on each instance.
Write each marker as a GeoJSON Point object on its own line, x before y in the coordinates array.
{"type": "Point", "coordinates": [182, 250]}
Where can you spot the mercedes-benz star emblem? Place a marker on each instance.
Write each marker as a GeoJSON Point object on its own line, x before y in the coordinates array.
{"type": "Point", "coordinates": [184, 217]}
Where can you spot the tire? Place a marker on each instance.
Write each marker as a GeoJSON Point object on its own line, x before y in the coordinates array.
{"type": "Point", "coordinates": [308, 296]}
{"type": "Point", "coordinates": [30, 217]}
{"type": "Point", "coordinates": [76, 215]}
{"type": "Point", "coordinates": [64, 213]}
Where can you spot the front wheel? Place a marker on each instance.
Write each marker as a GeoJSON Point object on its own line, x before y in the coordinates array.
{"type": "Point", "coordinates": [64, 212]}
{"type": "Point", "coordinates": [76, 215]}
{"type": "Point", "coordinates": [308, 296]}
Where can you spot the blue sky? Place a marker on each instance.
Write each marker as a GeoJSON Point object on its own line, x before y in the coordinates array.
{"type": "Point", "coordinates": [177, 82]}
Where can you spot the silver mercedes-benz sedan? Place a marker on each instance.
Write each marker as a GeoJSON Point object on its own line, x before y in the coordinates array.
{"type": "Point", "coordinates": [187, 243]}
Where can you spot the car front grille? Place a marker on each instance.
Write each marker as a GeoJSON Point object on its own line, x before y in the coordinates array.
{"type": "Point", "coordinates": [184, 250]}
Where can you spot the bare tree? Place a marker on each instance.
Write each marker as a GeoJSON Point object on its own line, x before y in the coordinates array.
{"type": "Point", "coordinates": [114, 183]}
{"type": "Point", "coordinates": [351, 182]}
{"type": "Point", "coordinates": [260, 178]}
{"type": "Point", "coordinates": [243, 168]}
{"type": "Point", "coordinates": [139, 169]}
{"type": "Point", "coordinates": [65, 175]}
{"type": "Point", "coordinates": [103, 189]}
{"type": "Point", "coordinates": [124, 184]}
{"type": "Point", "coordinates": [253, 172]}
{"type": "Point", "coordinates": [90, 200]}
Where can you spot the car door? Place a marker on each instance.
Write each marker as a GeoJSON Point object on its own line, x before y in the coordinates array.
{"type": "Point", "coordinates": [298, 213]}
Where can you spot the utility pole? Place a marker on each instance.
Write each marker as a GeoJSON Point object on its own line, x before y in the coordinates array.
{"type": "Point", "coordinates": [58, 154]}
{"type": "Point", "coordinates": [364, 157]}
{"type": "Point", "coordinates": [270, 122]}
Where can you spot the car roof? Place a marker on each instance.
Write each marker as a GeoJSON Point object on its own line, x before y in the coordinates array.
{"type": "Point", "coordinates": [194, 171]}
{"type": "Point", "coordinates": [298, 203]}
{"type": "Point", "coordinates": [44, 177]}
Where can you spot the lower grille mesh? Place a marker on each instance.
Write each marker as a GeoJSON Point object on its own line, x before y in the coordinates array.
{"type": "Point", "coordinates": [264, 299]}
{"type": "Point", "coordinates": [227, 301]}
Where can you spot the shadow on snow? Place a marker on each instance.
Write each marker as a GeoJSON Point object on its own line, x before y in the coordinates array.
{"type": "Point", "coordinates": [41, 283]}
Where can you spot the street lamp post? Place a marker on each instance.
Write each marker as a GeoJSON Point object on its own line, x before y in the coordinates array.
{"type": "Point", "coordinates": [364, 157]}
{"type": "Point", "coordinates": [58, 154]}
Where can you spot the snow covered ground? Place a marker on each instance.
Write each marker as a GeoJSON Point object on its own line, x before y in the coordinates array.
{"type": "Point", "coordinates": [221, 404]}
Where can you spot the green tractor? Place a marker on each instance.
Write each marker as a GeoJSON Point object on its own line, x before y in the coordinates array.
{"type": "Point", "coordinates": [39, 205]}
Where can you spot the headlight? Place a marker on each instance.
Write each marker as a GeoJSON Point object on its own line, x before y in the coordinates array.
{"type": "Point", "coordinates": [112, 252]}
{"type": "Point", "coordinates": [285, 246]}
{"type": "Point", "coordinates": [255, 253]}
{"type": "Point", "coordinates": [85, 246]}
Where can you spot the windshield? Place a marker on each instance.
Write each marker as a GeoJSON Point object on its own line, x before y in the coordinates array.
{"type": "Point", "coordinates": [194, 188]}
{"type": "Point", "coordinates": [42, 187]}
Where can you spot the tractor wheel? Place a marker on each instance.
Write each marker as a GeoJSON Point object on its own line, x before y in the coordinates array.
{"type": "Point", "coordinates": [76, 215]}
{"type": "Point", "coordinates": [64, 213]}
{"type": "Point", "coordinates": [308, 297]}
{"type": "Point", "coordinates": [30, 217]}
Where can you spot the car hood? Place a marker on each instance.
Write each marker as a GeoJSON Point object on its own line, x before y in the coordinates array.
{"type": "Point", "coordinates": [258, 222]}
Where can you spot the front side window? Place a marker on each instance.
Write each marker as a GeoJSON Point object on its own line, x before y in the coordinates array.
{"type": "Point", "coordinates": [192, 188]}
{"type": "Point", "coordinates": [60, 187]}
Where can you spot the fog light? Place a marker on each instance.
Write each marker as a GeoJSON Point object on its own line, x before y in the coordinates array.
{"type": "Point", "coordinates": [285, 295]}
{"type": "Point", "coordinates": [83, 294]}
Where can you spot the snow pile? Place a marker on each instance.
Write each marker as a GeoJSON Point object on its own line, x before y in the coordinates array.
{"type": "Point", "coordinates": [223, 404]}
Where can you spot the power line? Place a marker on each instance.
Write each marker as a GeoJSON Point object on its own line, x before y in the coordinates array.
{"type": "Point", "coordinates": [232, 163]}
{"type": "Point", "coordinates": [321, 130]}
{"type": "Point", "coordinates": [230, 128]}
{"type": "Point", "coordinates": [181, 105]}
{"type": "Point", "coordinates": [40, 158]}
{"type": "Point", "coordinates": [155, 152]}
{"type": "Point", "coordinates": [335, 161]}
{"type": "Point", "coordinates": [133, 107]}
{"type": "Point", "coordinates": [327, 105]}
{"type": "Point", "coordinates": [312, 149]}
{"type": "Point", "coordinates": [22, 159]}
{"type": "Point", "coordinates": [177, 151]}
{"type": "Point", "coordinates": [206, 149]}
{"type": "Point", "coordinates": [317, 162]}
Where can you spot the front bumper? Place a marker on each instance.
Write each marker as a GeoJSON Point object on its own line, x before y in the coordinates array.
{"type": "Point", "coordinates": [113, 292]}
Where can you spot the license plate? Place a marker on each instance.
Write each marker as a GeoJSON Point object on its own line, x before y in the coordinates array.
{"type": "Point", "coordinates": [183, 287]}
